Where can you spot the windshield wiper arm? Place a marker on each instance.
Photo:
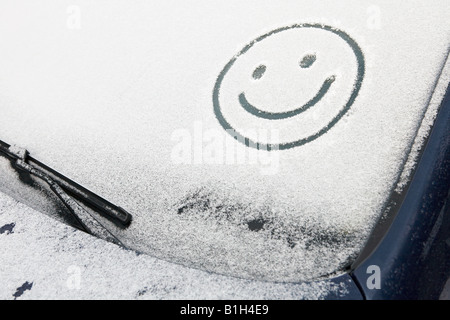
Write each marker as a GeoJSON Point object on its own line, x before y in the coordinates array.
{"type": "Point", "coordinates": [69, 192]}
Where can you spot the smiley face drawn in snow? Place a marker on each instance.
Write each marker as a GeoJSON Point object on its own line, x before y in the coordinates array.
{"type": "Point", "coordinates": [299, 80]}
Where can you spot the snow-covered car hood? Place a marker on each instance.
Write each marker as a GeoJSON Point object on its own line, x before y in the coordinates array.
{"type": "Point", "coordinates": [249, 139]}
{"type": "Point", "coordinates": [45, 259]}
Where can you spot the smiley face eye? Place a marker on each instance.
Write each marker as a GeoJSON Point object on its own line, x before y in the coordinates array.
{"type": "Point", "coordinates": [259, 72]}
{"type": "Point", "coordinates": [307, 61]}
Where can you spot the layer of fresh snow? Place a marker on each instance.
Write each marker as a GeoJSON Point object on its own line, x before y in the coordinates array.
{"type": "Point", "coordinates": [45, 259]}
{"type": "Point", "coordinates": [110, 94]}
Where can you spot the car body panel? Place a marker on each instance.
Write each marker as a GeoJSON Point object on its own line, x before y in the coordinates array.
{"type": "Point", "coordinates": [414, 255]}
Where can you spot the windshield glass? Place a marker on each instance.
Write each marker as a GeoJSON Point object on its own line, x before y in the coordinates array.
{"type": "Point", "coordinates": [251, 139]}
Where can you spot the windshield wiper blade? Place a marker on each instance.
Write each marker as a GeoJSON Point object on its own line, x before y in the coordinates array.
{"type": "Point", "coordinates": [70, 192]}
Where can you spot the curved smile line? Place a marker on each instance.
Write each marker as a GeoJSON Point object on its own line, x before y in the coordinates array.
{"type": "Point", "coordinates": [283, 115]}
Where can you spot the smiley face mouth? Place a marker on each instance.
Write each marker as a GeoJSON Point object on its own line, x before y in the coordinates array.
{"type": "Point", "coordinates": [287, 114]}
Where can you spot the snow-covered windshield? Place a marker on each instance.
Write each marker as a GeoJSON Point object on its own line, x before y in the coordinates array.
{"type": "Point", "coordinates": [254, 139]}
